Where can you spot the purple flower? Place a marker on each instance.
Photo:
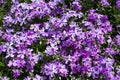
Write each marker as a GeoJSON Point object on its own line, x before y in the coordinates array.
{"type": "Point", "coordinates": [4, 78]}
{"type": "Point", "coordinates": [2, 2]}
{"type": "Point", "coordinates": [118, 39]}
{"type": "Point", "coordinates": [18, 62]}
{"type": "Point", "coordinates": [110, 51]}
{"type": "Point", "coordinates": [50, 69]}
{"type": "Point", "coordinates": [15, 1]}
{"type": "Point", "coordinates": [38, 77]}
{"type": "Point", "coordinates": [27, 78]}
{"type": "Point", "coordinates": [53, 68]}
{"type": "Point", "coordinates": [33, 59]}
{"type": "Point", "coordinates": [118, 4]}
{"type": "Point", "coordinates": [76, 5]}
{"type": "Point", "coordinates": [16, 73]}
{"type": "Point", "coordinates": [51, 50]}
{"type": "Point", "coordinates": [105, 2]}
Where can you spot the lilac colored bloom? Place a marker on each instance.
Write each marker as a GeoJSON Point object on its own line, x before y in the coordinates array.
{"type": "Point", "coordinates": [28, 78]}
{"type": "Point", "coordinates": [110, 51]}
{"type": "Point", "coordinates": [38, 77]}
{"type": "Point", "coordinates": [50, 50]}
{"type": "Point", "coordinates": [2, 2]}
{"type": "Point", "coordinates": [4, 78]}
{"type": "Point", "coordinates": [118, 4]}
{"type": "Point", "coordinates": [17, 63]}
{"type": "Point", "coordinates": [105, 2]}
{"type": "Point", "coordinates": [16, 73]}
{"type": "Point", "coordinates": [118, 71]}
{"type": "Point", "coordinates": [62, 70]}
{"type": "Point", "coordinates": [33, 59]}
{"type": "Point", "coordinates": [53, 68]}
{"type": "Point", "coordinates": [50, 69]}
{"type": "Point", "coordinates": [15, 1]}
{"type": "Point", "coordinates": [118, 39]}
{"type": "Point", "coordinates": [76, 5]}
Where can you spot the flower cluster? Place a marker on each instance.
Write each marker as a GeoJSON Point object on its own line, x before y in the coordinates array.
{"type": "Point", "coordinates": [2, 2]}
{"type": "Point", "coordinates": [44, 40]}
{"type": "Point", "coordinates": [53, 68]}
{"type": "Point", "coordinates": [4, 78]}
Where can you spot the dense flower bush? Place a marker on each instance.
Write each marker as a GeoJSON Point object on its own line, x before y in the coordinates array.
{"type": "Point", "coordinates": [60, 40]}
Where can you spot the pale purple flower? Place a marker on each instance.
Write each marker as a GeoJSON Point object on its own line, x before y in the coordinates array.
{"type": "Point", "coordinates": [118, 39]}
{"type": "Point", "coordinates": [17, 63]}
{"type": "Point", "coordinates": [105, 2]}
{"type": "Point", "coordinates": [33, 59]}
{"type": "Point", "coordinates": [76, 5]}
{"type": "Point", "coordinates": [4, 78]}
{"type": "Point", "coordinates": [38, 77]}
{"type": "Point", "coordinates": [53, 68]}
{"type": "Point", "coordinates": [118, 4]}
{"type": "Point", "coordinates": [27, 78]}
{"type": "Point", "coordinates": [110, 51]}
{"type": "Point", "coordinates": [51, 50]}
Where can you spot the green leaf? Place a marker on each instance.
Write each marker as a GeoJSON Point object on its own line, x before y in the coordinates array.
{"type": "Point", "coordinates": [2, 64]}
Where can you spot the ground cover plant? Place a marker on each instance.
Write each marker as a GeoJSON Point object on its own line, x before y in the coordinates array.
{"type": "Point", "coordinates": [59, 39]}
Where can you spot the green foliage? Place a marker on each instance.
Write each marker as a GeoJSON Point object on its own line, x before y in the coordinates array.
{"type": "Point", "coordinates": [4, 8]}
